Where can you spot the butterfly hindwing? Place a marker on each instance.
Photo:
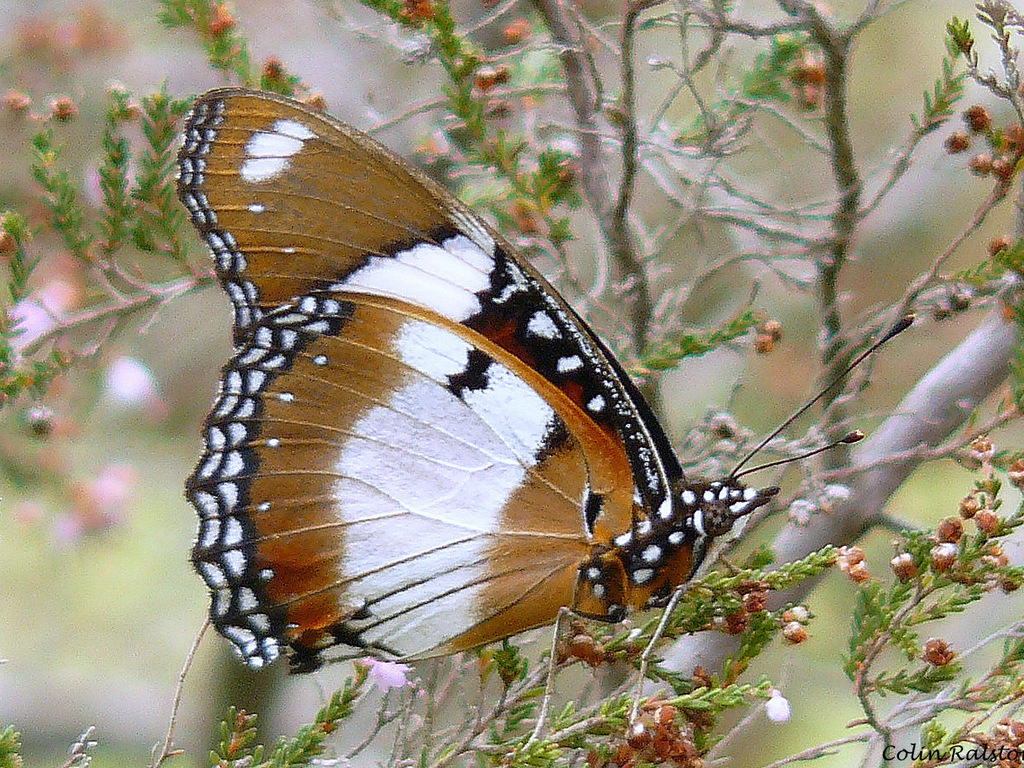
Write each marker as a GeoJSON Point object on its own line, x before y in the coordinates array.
{"type": "Point", "coordinates": [360, 480]}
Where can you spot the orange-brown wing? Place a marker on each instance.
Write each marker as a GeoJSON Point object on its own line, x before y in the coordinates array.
{"type": "Point", "coordinates": [378, 476]}
{"type": "Point", "coordinates": [351, 492]}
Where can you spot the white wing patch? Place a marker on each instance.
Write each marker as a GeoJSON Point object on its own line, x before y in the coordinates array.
{"type": "Point", "coordinates": [443, 278]}
{"type": "Point", "coordinates": [509, 406]}
{"type": "Point", "coordinates": [267, 153]}
{"type": "Point", "coordinates": [514, 410]}
{"type": "Point", "coordinates": [422, 486]}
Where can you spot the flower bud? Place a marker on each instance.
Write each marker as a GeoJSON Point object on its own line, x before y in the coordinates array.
{"type": "Point", "coordinates": [978, 118]}
{"type": "Point", "coordinates": [938, 652]}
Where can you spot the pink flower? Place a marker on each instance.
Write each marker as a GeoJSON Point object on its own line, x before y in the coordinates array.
{"type": "Point", "coordinates": [130, 385]}
{"type": "Point", "coordinates": [36, 315]}
{"type": "Point", "coordinates": [777, 707]}
{"type": "Point", "coordinates": [102, 501]}
{"type": "Point", "coordinates": [387, 674]}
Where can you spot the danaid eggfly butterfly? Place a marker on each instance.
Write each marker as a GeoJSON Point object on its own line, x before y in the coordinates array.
{"type": "Point", "coordinates": [418, 447]}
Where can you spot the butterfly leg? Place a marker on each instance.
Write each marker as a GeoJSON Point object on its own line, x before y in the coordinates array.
{"type": "Point", "coordinates": [549, 686]}
{"type": "Point", "coordinates": [648, 653]}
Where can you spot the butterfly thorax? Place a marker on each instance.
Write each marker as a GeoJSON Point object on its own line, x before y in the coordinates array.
{"type": "Point", "coordinates": [644, 565]}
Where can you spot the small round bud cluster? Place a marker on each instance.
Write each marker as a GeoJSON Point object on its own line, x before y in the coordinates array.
{"type": "Point", "coordinates": [943, 556]}
{"type": "Point", "coordinates": [63, 109]}
{"type": "Point", "coordinates": [489, 77]}
{"type": "Point", "coordinates": [415, 12]}
{"type": "Point", "coordinates": [809, 80]}
{"type": "Point", "coordinates": [950, 529]}
{"type": "Point", "coordinates": [1016, 473]}
{"type": "Point", "coordinates": [904, 567]}
{"type": "Point", "coordinates": [585, 648]}
{"type": "Point", "coordinates": [756, 600]}
{"type": "Point", "coordinates": [515, 32]}
{"type": "Point", "coordinates": [656, 738]}
{"type": "Point", "coordinates": [982, 449]}
{"type": "Point", "coordinates": [1007, 145]}
{"type": "Point", "coordinates": [8, 244]}
{"type": "Point", "coordinates": [969, 506]}
{"type": "Point", "coordinates": [769, 333]}
{"type": "Point", "coordinates": [737, 622]}
{"type": "Point", "coordinates": [938, 652]}
{"type": "Point", "coordinates": [997, 244]}
{"type": "Point", "coordinates": [794, 632]}
{"type": "Point", "coordinates": [978, 119]}
{"type": "Point", "coordinates": [957, 142]}
{"type": "Point", "coordinates": [793, 623]}
{"type": "Point", "coordinates": [988, 522]}
{"type": "Point", "coordinates": [221, 21]}
{"type": "Point", "coordinates": [851, 562]}
{"type": "Point", "coordinates": [17, 102]}
{"type": "Point", "coordinates": [1006, 739]}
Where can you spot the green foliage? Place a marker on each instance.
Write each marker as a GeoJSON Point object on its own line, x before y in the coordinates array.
{"type": "Point", "coordinates": [226, 49]}
{"type": "Point", "coordinates": [668, 354]}
{"type": "Point", "coordinates": [140, 213]}
{"type": "Point", "coordinates": [113, 173]}
{"type": "Point", "coordinates": [238, 745]}
{"type": "Point", "coordinates": [308, 743]}
{"type": "Point", "coordinates": [925, 679]}
{"type": "Point", "coordinates": [938, 105]}
{"type": "Point", "coordinates": [771, 76]}
{"type": "Point", "coordinates": [959, 40]}
{"type": "Point", "coordinates": [536, 754]}
{"type": "Point", "coordinates": [936, 578]}
{"type": "Point", "coordinates": [67, 217]}
{"type": "Point", "coordinates": [10, 746]}
{"type": "Point", "coordinates": [772, 79]}
{"type": "Point", "coordinates": [532, 188]}
{"type": "Point", "coordinates": [18, 376]}
{"type": "Point", "coordinates": [158, 217]}
{"type": "Point", "coordinates": [509, 663]}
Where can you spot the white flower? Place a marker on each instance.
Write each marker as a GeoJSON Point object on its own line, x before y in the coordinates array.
{"type": "Point", "coordinates": [777, 707]}
{"type": "Point", "coordinates": [800, 512]}
{"type": "Point", "coordinates": [129, 383]}
{"type": "Point", "coordinates": [387, 674]}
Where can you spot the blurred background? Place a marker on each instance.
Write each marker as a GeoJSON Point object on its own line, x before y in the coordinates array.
{"type": "Point", "coordinates": [98, 602]}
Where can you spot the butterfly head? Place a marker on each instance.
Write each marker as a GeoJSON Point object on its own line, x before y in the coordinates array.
{"type": "Point", "coordinates": [712, 508]}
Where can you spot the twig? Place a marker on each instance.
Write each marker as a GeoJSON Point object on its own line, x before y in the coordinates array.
{"type": "Point", "coordinates": [167, 751]}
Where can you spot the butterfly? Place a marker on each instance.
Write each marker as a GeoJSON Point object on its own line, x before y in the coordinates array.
{"type": "Point", "coordinates": [418, 447]}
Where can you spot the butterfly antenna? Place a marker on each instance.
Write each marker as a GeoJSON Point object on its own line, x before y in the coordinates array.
{"type": "Point", "coordinates": [905, 322]}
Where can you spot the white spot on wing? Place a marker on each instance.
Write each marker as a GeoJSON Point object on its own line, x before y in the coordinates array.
{"type": "Point", "coordinates": [540, 324]}
{"type": "Point", "coordinates": [267, 152]}
{"type": "Point", "coordinates": [643, 575]}
{"type": "Point", "coordinates": [568, 364]}
{"type": "Point", "coordinates": [514, 410]}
